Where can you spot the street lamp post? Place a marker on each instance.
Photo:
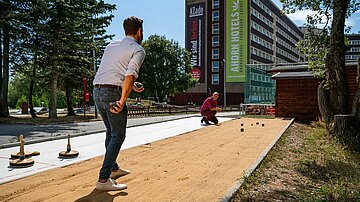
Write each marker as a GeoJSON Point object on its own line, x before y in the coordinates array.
{"type": "Point", "coordinates": [224, 69]}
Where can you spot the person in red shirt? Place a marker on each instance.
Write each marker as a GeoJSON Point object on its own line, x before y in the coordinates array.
{"type": "Point", "coordinates": [209, 109]}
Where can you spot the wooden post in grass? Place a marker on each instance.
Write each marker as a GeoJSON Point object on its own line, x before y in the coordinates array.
{"type": "Point", "coordinates": [343, 125]}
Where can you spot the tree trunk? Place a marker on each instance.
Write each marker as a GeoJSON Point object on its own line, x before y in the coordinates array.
{"type": "Point", "coordinates": [356, 103]}
{"type": "Point", "coordinates": [53, 91]}
{"type": "Point", "coordinates": [325, 108]}
{"type": "Point", "coordinates": [69, 100]}
{"type": "Point", "coordinates": [356, 110]}
{"type": "Point", "coordinates": [343, 125]}
{"type": "Point", "coordinates": [336, 81]}
{"type": "Point", "coordinates": [31, 106]}
{"type": "Point", "coordinates": [4, 110]}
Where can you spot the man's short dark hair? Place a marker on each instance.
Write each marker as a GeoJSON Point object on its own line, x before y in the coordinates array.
{"type": "Point", "coordinates": [132, 25]}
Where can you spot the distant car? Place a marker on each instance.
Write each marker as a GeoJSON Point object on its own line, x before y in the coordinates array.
{"type": "Point", "coordinates": [136, 106]}
{"type": "Point", "coordinates": [40, 110]}
{"type": "Point", "coordinates": [37, 110]}
{"type": "Point", "coordinates": [79, 111]}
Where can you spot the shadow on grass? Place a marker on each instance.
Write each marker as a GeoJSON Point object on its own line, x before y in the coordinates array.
{"type": "Point", "coordinates": [322, 173]}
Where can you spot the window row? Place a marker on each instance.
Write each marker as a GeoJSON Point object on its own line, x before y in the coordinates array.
{"type": "Point", "coordinates": [352, 57]}
{"type": "Point", "coordinates": [259, 77]}
{"type": "Point", "coordinates": [284, 34]}
{"type": "Point", "coordinates": [261, 41]}
{"type": "Point", "coordinates": [280, 61]}
{"type": "Point", "coordinates": [261, 53]}
{"type": "Point", "coordinates": [261, 96]}
{"type": "Point", "coordinates": [286, 45]}
{"type": "Point", "coordinates": [261, 17]}
{"type": "Point", "coordinates": [262, 89]}
{"type": "Point", "coordinates": [286, 54]}
{"type": "Point", "coordinates": [261, 29]}
{"type": "Point", "coordinates": [354, 42]}
{"type": "Point", "coordinates": [262, 6]}
{"type": "Point", "coordinates": [287, 27]}
{"type": "Point", "coordinates": [259, 65]}
{"type": "Point", "coordinates": [354, 49]}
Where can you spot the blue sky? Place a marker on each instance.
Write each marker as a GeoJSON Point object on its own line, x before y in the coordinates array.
{"type": "Point", "coordinates": [167, 18]}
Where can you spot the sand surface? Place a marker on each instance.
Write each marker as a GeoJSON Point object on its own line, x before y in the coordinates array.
{"type": "Point", "coordinates": [202, 165]}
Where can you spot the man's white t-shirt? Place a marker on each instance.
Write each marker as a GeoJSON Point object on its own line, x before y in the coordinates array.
{"type": "Point", "coordinates": [121, 58]}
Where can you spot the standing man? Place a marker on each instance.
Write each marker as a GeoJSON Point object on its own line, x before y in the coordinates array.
{"type": "Point", "coordinates": [209, 109]}
{"type": "Point", "coordinates": [113, 82]}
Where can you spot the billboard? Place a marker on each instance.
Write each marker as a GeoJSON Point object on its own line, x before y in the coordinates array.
{"type": "Point", "coordinates": [236, 40]}
{"type": "Point", "coordinates": [195, 37]}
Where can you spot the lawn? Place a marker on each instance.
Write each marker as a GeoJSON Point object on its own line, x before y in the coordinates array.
{"type": "Point", "coordinates": [307, 164]}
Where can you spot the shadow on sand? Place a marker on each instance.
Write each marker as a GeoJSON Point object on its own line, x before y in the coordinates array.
{"type": "Point", "coordinates": [103, 196]}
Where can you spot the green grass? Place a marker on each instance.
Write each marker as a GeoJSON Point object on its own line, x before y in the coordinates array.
{"type": "Point", "coordinates": [306, 164]}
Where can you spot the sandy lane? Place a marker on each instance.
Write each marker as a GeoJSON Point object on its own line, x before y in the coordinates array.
{"type": "Point", "coordinates": [197, 166]}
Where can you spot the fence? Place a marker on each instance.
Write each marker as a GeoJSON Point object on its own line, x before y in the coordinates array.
{"type": "Point", "coordinates": [136, 111]}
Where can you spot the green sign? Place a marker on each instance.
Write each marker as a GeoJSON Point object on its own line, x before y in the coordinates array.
{"type": "Point", "coordinates": [236, 40]}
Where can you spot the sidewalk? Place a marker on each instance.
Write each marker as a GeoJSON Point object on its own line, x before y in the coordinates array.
{"type": "Point", "coordinates": [39, 133]}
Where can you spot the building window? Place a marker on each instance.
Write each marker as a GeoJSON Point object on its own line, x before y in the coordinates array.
{"type": "Point", "coordinates": [215, 79]}
{"type": "Point", "coordinates": [215, 4]}
{"type": "Point", "coordinates": [215, 41]}
{"type": "Point", "coordinates": [215, 66]}
{"type": "Point", "coordinates": [215, 28]}
{"type": "Point", "coordinates": [215, 16]}
{"type": "Point", "coordinates": [215, 54]}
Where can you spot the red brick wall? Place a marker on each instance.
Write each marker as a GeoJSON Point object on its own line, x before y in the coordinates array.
{"type": "Point", "coordinates": [297, 98]}
{"type": "Point", "coordinates": [351, 74]}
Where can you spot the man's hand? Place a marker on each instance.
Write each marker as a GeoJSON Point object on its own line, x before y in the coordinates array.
{"type": "Point", "coordinates": [218, 109]}
{"type": "Point", "coordinates": [138, 87]}
{"type": "Point", "coordinates": [116, 107]}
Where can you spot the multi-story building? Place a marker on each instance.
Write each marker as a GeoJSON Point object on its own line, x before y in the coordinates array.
{"type": "Point", "coordinates": [231, 41]}
{"type": "Point", "coordinates": [354, 45]}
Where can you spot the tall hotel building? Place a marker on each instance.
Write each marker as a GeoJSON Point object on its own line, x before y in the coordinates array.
{"type": "Point", "coordinates": [225, 38]}
{"type": "Point", "coordinates": [354, 47]}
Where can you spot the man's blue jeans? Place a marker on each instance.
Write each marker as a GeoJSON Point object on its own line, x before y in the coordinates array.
{"type": "Point", "coordinates": [115, 127]}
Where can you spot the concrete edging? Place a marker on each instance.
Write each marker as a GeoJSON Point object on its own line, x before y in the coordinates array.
{"type": "Point", "coordinates": [247, 173]}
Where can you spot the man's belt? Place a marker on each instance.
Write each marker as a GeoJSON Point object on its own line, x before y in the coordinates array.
{"type": "Point", "coordinates": [106, 86]}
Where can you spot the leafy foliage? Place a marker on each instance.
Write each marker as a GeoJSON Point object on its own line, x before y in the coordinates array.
{"type": "Point", "coordinates": [316, 42]}
{"type": "Point", "coordinates": [166, 68]}
{"type": "Point", "coordinates": [54, 42]}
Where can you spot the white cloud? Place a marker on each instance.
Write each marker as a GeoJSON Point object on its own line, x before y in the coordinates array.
{"type": "Point", "coordinates": [353, 21]}
{"type": "Point", "coordinates": [299, 18]}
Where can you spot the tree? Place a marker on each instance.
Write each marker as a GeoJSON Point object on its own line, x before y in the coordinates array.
{"type": "Point", "coordinates": [52, 42]}
{"type": "Point", "coordinates": [166, 68]}
{"type": "Point", "coordinates": [333, 92]}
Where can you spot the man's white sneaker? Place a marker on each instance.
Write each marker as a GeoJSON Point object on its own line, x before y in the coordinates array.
{"type": "Point", "coordinates": [110, 185]}
{"type": "Point", "coordinates": [120, 172]}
